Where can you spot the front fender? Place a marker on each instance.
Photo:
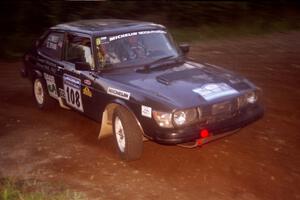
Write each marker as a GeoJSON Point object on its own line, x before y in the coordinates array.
{"type": "Point", "coordinates": [107, 116]}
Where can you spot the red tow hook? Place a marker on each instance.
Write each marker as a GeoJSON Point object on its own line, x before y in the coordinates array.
{"type": "Point", "coordinates": [203, 134]}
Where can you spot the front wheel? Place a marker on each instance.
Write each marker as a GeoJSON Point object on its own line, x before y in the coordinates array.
{"type": "Point", "coordinates": [128, 135]}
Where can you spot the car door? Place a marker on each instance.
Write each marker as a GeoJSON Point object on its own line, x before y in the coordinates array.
{"type": "Point", "coordinates": [48, 63]}
{"type": "Point", "coordinates": [78, 82]}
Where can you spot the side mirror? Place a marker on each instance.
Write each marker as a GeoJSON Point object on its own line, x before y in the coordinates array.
{"type": "Point", "coordinates": [82, 66]}
{"type": "Point", "coordinates": [185, 48]}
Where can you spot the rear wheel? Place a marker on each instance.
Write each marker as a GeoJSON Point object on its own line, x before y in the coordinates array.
{"type": "Point", "coordinates": [128, 135]}
{"type": "Point", "coordinates": [40, 93]}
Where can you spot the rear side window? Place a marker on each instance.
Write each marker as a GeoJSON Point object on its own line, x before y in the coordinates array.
{"type": "Point", "coordinates": [52, 45]}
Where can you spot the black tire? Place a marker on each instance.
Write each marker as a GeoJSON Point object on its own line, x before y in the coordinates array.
{"type": "Point", "coordinates": [133, 148]}
{"type": "Point", "coordinates": [44, 102]}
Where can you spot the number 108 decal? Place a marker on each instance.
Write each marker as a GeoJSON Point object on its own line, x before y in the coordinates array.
{"type": "Point", "coordinates": [72, 88]}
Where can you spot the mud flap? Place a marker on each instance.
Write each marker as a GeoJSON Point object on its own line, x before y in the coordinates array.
{"type": "Point", "coordinates": [62, 104]}
{"type": "Point", "coordinates": [106, 127]}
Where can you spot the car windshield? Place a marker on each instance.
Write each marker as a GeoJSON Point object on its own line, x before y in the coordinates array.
{"type": "Point", "coordinates": [134, 48]}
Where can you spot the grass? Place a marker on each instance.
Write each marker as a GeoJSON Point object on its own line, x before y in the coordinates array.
{"type": "Point", "coordinates": [222, 31]}
{"type": "Point", "coordinates": [16, 44]}
{"type": "Point", "coordinates": [11, 189]}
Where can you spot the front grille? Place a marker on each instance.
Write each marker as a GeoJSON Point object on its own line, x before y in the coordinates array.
{"type": "Point", "coordinates": [221, 111]}
{"type": "Point", "coordinates": [219, 108]}
{"type": "Point", "coordinates": [241, 101]}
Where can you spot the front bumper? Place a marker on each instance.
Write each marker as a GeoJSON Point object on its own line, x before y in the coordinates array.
{"type": "Point", "coordinates": [191, 133]}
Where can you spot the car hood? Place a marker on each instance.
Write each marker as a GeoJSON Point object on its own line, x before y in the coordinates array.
{"type": "Point", "coordinates": [185, 85]}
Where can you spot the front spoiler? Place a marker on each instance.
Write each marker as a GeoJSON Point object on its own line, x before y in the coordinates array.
{"type": "Point", "coordinates": [216, 130]}
{"type": "Point", "coordinates": [203, 141]}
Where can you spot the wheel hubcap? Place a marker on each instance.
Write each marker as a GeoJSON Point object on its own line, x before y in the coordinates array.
{"type": "Point", "coordinates": [119, 131]}
{"type": "Point", "coordinates": [38, 92]}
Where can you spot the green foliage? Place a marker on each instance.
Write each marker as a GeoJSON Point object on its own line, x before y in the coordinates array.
{"type": "Point", "coordinates": [24, 21]}
{"type": "Point", "coordinates": [215, 32]}
{"type": "Point", "coordinates": [8, 191]}
{"type": "Point", "coordinates": [32, 190]}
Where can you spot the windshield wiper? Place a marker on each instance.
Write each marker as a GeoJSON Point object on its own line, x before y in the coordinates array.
{"type": "Point", "coordinates": [152, 64]}
{"type": "Point", "coordinates": [155, 64]}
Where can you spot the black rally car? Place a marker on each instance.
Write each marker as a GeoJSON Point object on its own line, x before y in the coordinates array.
{"type": "Point", "coordinates": [138, 83]}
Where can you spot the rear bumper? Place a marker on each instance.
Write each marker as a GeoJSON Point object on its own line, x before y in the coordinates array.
{"type": "Point", "coordinates": [216, 129]}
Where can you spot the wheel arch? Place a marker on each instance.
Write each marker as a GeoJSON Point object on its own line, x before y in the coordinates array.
{"type": "Point", "coordinates": [35, 74]}
{"type": "Point", "coordinates": [107, 117]}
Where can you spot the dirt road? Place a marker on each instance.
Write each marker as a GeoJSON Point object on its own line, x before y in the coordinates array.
{"type": "Point", "coordinates": [262, 161]}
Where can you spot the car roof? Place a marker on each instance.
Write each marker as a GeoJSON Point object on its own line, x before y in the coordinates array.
{"type": "Point", "coordinates": [98, 27]}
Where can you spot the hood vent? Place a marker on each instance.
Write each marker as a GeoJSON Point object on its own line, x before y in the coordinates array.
{"type": "Point", "coordinates": [188, 74]}
{"type": "Point", "coordinates": [241, 86]}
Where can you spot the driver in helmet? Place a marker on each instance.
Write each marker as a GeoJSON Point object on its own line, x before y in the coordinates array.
{"type": "Point", "coordinates": [136, 49]}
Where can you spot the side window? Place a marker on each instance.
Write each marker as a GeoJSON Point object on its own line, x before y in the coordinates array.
{"type": "Point", "coordinates": [78, 49]}
{"type": "Point", "coordinates": [52, 45]}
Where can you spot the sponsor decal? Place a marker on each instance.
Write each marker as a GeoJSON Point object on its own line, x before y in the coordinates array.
{"type": "Point", "coordinates": [53, 38]}
{"type": "Point", "coordinates": [215, 90]}
{"type": "Point", "coordinates": [51, 45]}
{"type": "Point", "coordinates": [72, 90]}
{"type": "Point", "coordinates": [86, 91]}
{"type": "Point", "coordinates": [98, 41]}
{"type": "Point", "coordinates": [149, 32]}
{"type": "Point", "coordinates": [53, 42]}
{"type": "Point", "coordinates": [102, 40]}
{"type": "Point", "coordinates": [122, 36]}
{"type": "Point", "coordinates": [146, 111]}
{"type": "Point", "coordinates": [118, 93]}
{"type": "Point", "coordinates": [51, 89]}
{"type": "Point", "coordinates": [87, 82]}
{"type": "Point", "coordinates": [112, 38]}
{"type": "Point", "coordinates": [50, 81]}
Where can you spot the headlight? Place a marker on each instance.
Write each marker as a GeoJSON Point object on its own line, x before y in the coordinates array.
{"type": "Point", "coordinates": [251, 97]}
{"type": "Point", "coordinates": [248, 98]}
{"type": "Point", "coordinates": [184, 117]}
{"type": "Point", "coordinates": [163, 119]}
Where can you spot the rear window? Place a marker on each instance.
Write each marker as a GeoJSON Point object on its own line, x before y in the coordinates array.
{"type": "Point", "coordinates": [52, 45]}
